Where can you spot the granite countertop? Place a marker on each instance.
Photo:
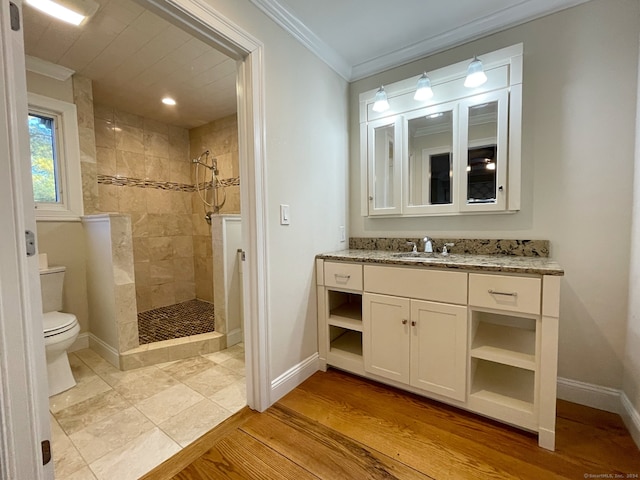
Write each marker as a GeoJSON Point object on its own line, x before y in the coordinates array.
{"type": "Point", "coordinates": [485, 263]}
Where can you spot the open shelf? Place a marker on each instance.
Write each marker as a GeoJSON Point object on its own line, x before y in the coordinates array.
{"type": "Point", "coordinates": [503, 391]}
{"type": "Point", "coordinates": [345, 310]}
{"type": "Point", "coordinates": [345, 349]}
{"type": "Point", "coordinates": [504, 339]}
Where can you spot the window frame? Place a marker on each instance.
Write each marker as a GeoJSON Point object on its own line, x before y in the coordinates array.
{"type": "Point", "coordinates": [69, 176]}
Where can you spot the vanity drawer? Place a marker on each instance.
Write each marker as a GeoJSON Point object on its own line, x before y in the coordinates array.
{"type": "Point", "coordinates": [504, 292]}
{"type": "Point", "coordinates": [419, 283]}
{"type": "Point", "coordinates": [343, 275]}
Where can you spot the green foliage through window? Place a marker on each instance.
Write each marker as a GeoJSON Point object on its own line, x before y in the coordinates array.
{"type": "Point", "coordinates": [43, 158]}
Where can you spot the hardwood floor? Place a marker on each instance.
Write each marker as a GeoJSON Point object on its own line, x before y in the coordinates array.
{"type": "Point", "coordinates": [338, 426]}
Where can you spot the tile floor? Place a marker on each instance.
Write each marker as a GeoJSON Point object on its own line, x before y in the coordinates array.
{"type": "Point", "coordinates": [116, 424]}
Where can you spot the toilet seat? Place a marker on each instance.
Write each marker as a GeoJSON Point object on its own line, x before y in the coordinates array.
{"type": "Point", "coordinates": [56, 323]}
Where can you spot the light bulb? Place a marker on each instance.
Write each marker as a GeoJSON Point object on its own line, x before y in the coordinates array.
{"type": "Point", "coordinates": [423, 89]}
{"type": "Point", "coordinates": [381, 103]}
{"type": "Point", "coordinates": [475, 74]}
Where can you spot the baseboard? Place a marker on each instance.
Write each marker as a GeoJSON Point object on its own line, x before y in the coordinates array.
{"type": "Point", "coordinates": [234, 337]}
{"type": "Point", "coordinates": [596, 396]}
{"type": "Point", "coordinates": [105, 350]}
{"type": "Point", "coordinates": [81, 342]}
{"type": "Point", "coordinates": [631, 418]}
{"type": "Point", "coordinates": [294, 377]}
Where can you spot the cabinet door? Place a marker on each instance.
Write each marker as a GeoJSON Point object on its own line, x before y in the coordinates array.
{"type": "Point", "coordinates": [386, 336]}
{"type": "Point", "coordinates": [439, 348]}
{"type": "Point", "coordinates": [384, 153]}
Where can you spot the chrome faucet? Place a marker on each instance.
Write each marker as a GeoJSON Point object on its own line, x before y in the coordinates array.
{"type": "Point", "coordinates": [428, 245]}
{"type": "Point", "coordinates": [414, 248]}
{"type": "Point", "coordinates": [445, 252]}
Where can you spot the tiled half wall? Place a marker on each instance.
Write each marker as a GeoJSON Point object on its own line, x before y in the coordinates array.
{"type": "Point", "coordinates": [144, 169]}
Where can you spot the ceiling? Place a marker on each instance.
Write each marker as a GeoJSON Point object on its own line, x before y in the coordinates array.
{"type": "Point", "coordinates": [134, 57]}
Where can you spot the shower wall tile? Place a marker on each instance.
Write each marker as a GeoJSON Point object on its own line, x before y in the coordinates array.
{"type": "Point", "coordinates": [105, 136]}
{"type": "Point", "coordinates": [83, 99]}
{"type": "Point", "coordinates": [139, 224]}
{"type": "Point", "coordinates": [185, 291]}
{"type": "Point", "coordinates": [156, 144]}
{"type": "Point", "coordinates": [183, 246]}
{"type": "Point", "coordinates": [160, 248]}
{"type": "Point", "coordinates": [130, 164]}
{"type": "Point", "coordinates": [163, 295]}
{"type": "Point", "coordinates": [131, 201]}
{"type": "Point", "coordinates": [183, 270]}
{"type": "Point", "coordinates": [141, 270]}
{"type": "Point", "coordinates": [106, 161]}
{"type": "Point", "coordinates": [154, 126]}
{"type": "Point", "coordinates": [125, 118]}
{"type": "Point", "coordinates": [161, 272]}
{"type": "Point", "coordinates": [90, 198]}
{"type": "Point", "coordinates": [141, 249]}
{"type": "Point", "coordinates": [108, 198]}
{"type": "Point", "coordinates": [130, 139]}
{"type": "Point", "coordinates": [103, 112]}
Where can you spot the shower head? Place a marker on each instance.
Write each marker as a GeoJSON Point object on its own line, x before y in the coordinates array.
{"type": "Point", "coordinates": [197, 160]}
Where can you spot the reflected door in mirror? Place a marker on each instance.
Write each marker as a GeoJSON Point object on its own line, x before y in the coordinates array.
{"type": "Point", "coordinates": [482, 153]}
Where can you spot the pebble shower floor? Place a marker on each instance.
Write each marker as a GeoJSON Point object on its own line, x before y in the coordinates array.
{"type": "Point", "coordinates": [175, 321]}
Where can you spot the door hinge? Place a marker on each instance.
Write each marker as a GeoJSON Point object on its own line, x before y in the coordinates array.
{"type": "Point", "coordinates": [46, 452]}
{"type": "Point", "coordinates": [14, 15]}
{"type": "Point", "coordinates": [31, 243]}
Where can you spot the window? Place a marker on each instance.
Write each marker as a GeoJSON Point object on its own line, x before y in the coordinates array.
{"type": "Point", "coordinates": [55, 159]}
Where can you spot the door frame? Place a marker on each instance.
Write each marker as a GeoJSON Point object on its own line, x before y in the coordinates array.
{"type": "Point", "coordinates": [203, 21]}
{"type": "Point", "coordinates": [24, 399]}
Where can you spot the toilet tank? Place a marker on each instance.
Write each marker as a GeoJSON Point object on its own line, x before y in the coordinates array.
{"type": "Point", "coordinates": [51, 280]}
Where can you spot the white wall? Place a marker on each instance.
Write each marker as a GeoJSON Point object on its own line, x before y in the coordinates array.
{"type": "Point", "coordinates": [631, 383]}
{"type": "Point", "coordinates": [306, 151]}
{"type": "Point", "coordinates": [580, 69]}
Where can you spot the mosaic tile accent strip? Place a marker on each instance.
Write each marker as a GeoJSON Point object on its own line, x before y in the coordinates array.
{"type": "Point", "coordinates": [520, 248]}
{"type": "Point", "coordinates": [176, 321]}
{"type": "Point", "coordinates": [173, 186]}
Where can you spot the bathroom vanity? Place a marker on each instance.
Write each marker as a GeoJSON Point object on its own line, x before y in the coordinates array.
{"type": "Point", "coordinates": [479, 332]}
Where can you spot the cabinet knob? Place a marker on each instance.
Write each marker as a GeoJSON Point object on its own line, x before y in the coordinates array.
{"type": "Point", "coordinates": [404, 321]}
{"type": "Point", "coordinates": [413, 323]}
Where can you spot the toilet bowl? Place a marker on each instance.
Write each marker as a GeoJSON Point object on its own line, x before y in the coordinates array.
{"type": "Point", "coordinates": [60, 331]}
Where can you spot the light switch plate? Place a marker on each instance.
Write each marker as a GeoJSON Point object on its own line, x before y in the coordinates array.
{"type": "Point", "coordinates": [284, 215]}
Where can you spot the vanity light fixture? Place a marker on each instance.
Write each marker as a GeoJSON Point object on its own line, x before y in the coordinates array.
{"type": "Point", "coordinates": [475, 74]}
{"type": "Point", "coordinates": [381, 104]}
{"type": "Point", "coordinates": [168, 101]}
{"type": "Point", "coordinates": [71, 11]}
{"type": "Point", "coordinates": [423, 89]}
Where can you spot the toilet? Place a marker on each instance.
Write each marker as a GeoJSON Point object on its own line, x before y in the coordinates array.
{"type": "Point", "coordinates": [60, 330]}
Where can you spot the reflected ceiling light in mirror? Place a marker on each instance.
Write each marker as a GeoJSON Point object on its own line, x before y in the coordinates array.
{"type": "Point", "coordinates": [71, 11]}
{"type": "Point", "coordinates": [168, 101]}
{"type": "Point", "coordinates": [475, 74]}
{"type": "Point", "coordinates": [381, 104]}
{"type": "Point", "coordinates": [423, 89]}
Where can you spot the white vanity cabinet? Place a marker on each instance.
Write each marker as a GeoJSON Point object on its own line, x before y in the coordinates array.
{"type": "Point", "coordinates": [485, 342]}
{"type": "Point", "coordinates": [422, 344]}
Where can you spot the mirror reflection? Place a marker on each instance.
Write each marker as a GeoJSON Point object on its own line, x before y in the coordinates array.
{"type": "Point", "coordinates": [482, 153]}
{"type": "Point", "coordinates": [430, 159]}
{"type": "Point", "coordinates": [384, 164]}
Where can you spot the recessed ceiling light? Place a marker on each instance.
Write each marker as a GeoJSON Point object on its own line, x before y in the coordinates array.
{"type": "Point", "coordinates": [74, 12]}
{"type": "Point", "coordinates": [168, 101]}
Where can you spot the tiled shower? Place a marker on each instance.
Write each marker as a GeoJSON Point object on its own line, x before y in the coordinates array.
{"type": "Point", "coordinates": [144, 170]}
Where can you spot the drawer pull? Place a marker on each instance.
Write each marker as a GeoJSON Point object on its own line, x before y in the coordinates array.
{"type": "Point", "coordinates": [342, 276]}
{"type": "Point", "coordinates": [506, 294]}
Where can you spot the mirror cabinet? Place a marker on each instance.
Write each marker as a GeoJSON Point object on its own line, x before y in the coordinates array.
{"type": "Point", "coordinates": [456, 153]}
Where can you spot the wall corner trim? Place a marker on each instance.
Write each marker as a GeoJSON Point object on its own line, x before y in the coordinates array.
{"type": "Point", "coordinates": [294, 377]}
{"type": "Point", "coordinates": [631, 418]}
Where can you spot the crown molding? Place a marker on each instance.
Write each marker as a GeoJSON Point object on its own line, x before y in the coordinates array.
{"type": "Point", "coordinates": [48, 69]}
{"type": "Point", "coordinates": [522, 12]}
{"type": "Point", "coordinates": [512, 16]}
{"type": "Point", "coordinates": [292, 24]}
